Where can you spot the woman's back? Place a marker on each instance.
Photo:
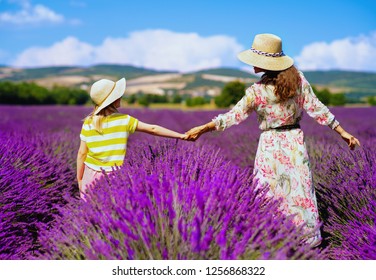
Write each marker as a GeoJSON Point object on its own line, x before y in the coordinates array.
{"type": "Point", "coordinates": [272, 113]}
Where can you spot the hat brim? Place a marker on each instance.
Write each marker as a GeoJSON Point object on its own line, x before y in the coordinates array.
{"type": "Point", "coordinates": [116, 93]}
{"type": "Point", "coordinates": [265, 62]}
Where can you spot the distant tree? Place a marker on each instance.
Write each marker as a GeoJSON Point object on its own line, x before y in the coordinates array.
{"type": "Point", "coordinates": [231, 93]}
{"type": "Point", "coordinates": [143, 100]}
{"type": "Point", "coordinates": [338, 99]}
{"type": "Point", "coordinates": [176, 99]}
{"type": "Point", "coordinates": [8, 93]}
{"type": "Point", "coordinates": [68, 96]}
{"type": "Point", "coordinates": [60, 95]}
{"type": "Point", "coordinates": [131, 99]}
{"type": "Point", "coordinates": [195, 101]}
{"type": "Point", "coordinates": [31, 93]}
{"type": "Point", "coordinates": [322, 95]}
{"type": "Point", "coordinates": [81, 96]}
{"type": "Point", "coordinates": [156, 98]}
{"type": "Point", "coordinates": [371, 100]}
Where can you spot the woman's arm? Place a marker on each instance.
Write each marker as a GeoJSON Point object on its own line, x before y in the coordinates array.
{"type": "Point", "coordinates": [81, 156]}
{"type": "Point", "coordinates": [236, 115]}
{"type": "Point", "coordinates": [159, 131]}
{"type": "Point", "coordinates": [239, 112]}
{"type": "Point", "coordinates": [322, 115]}
{"type": "Point", "coordinates": [350, 140]}
{"type": "Point", "coordinates": [314, 107]}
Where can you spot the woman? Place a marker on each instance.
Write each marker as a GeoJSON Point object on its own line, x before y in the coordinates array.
{"type": "Point", "coordinates": [105, 133]}
{"type": "Point", "coordinates": [279, 99]}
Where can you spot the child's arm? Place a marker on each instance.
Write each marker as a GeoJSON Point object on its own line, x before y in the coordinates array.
{"type": "Point", "coordinates": [81, 156]}
{"type": "Point", "coordinates": [159, 131]}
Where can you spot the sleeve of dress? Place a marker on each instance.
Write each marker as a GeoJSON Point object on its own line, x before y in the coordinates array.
{"type": "Point", "coordinates": [315, 108]}
{"type": "Point", "coordinates": [238, 113]}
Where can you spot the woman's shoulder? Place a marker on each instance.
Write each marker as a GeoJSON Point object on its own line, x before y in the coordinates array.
{"type": "Point", "coordinates": [259, 87]}
{"type": "Point", "coordinates": [304, 81]}
{"type": "Point", "coordinates": [254, 86]}
{"type": "Point", "coordinates": [302, 76]}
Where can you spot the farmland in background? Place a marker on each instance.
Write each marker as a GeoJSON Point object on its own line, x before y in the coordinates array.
{"type": "Point", "coordinates": [357, 86]}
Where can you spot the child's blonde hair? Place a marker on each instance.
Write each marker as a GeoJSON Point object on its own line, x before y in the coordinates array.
{"type": "Point", "coordinates": [98, 119]}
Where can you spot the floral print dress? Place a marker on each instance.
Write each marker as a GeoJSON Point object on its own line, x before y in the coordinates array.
{"type": "Point", "coordinates": [282, 162]}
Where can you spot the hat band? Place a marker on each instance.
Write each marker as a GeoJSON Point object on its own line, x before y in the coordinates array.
{"type": "Point", "coordinates": [100, 104]}
{"type": "Point", "coordinates": [268, 54]}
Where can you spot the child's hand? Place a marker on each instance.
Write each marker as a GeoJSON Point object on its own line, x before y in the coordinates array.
{"type": "Point", "coordinates": [80, 185]}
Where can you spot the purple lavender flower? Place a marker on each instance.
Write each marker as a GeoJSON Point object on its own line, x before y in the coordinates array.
{"type": "Point", "coordinates": [176, 200]}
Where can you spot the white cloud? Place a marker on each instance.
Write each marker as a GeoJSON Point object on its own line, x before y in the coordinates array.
{"type": "Point", "coordinates": [355, 53]}
{"type": "Point", "coordinates": [155, 49]}
{"type": "Point", "coordinates": [29, 14]}
{"type": "Point", "coordinates": [70, 51]}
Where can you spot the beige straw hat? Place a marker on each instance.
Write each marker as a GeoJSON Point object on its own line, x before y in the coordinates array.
{"type": "Point", "coordinates": [104, 92]}
{"type": "Point", "coordinates": [266, 53]}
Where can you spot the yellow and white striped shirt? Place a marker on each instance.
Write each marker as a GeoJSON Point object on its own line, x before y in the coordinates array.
{"type": "Point", "coordinates": [109, 148]}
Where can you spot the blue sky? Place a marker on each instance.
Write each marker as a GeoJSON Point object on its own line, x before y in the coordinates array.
{"type": "Point", "coordinates": [185, 35]}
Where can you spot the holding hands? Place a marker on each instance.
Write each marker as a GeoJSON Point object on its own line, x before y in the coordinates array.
{"type": "Point", "coordinates": [194, 133]}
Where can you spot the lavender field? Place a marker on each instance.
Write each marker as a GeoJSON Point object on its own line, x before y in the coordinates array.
{"type": "Point", "coordinates": [175, 199]}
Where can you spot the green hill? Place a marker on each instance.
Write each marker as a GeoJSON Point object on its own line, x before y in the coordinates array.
{"type": "Point", "coordinates": [117, 71]}
{"type": "Point", "coordinates": [37, 73]}
{"type": "Point", "coordinates": [356, 85]}
{"type": "Point", "coordinates": [231, 72]}
{"type": "Point", "coordinates": [351, 79]}
{"type": "Point", "coordinates": [196, 81]}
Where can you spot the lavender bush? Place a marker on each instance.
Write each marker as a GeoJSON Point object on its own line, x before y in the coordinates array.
{"type": "Point", "coordinates": [169, 203]}
{"type": "Point", "coordinates": [345, 184]}
{"type": "Point", "coordinates": [176, 200]}
{"type": "Point", "coordinates": [347, 189]}
{"type": "Point", "coordinates": [33, 179]}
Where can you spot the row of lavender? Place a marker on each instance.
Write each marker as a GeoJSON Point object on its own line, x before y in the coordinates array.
{"type": "Point", "coordinates": [176, 200]}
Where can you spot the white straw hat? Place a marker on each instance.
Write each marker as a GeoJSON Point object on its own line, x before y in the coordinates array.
{"type": "Point", "coordinates": [266, 53]}
{"type": "Point", "coordinates": [104, 92]}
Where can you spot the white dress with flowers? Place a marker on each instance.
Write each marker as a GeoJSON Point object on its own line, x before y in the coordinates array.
{"type": "Point", "coordinates": [282, 162]}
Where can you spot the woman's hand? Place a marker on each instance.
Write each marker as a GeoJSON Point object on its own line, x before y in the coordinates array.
{"type": "Point", "coordinates": [351, 141]}
{"type": "Point", "coordinates": [194, 133]}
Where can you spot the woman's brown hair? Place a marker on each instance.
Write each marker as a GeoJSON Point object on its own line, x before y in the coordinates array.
{"type": "Point", "coordinates": [286, 82]}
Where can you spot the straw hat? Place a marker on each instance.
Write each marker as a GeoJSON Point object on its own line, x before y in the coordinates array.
{"type": "Point", "coordinates": [104, 92]}
{"type": "Point", "coordinates": [266, 53]}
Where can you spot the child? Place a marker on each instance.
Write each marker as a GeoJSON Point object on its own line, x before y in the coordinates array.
{"type": "Point", "coordinates": [105, 133]}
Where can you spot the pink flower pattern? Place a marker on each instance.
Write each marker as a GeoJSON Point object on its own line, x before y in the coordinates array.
{"type": "Point", "coordinates": [282, 161]}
